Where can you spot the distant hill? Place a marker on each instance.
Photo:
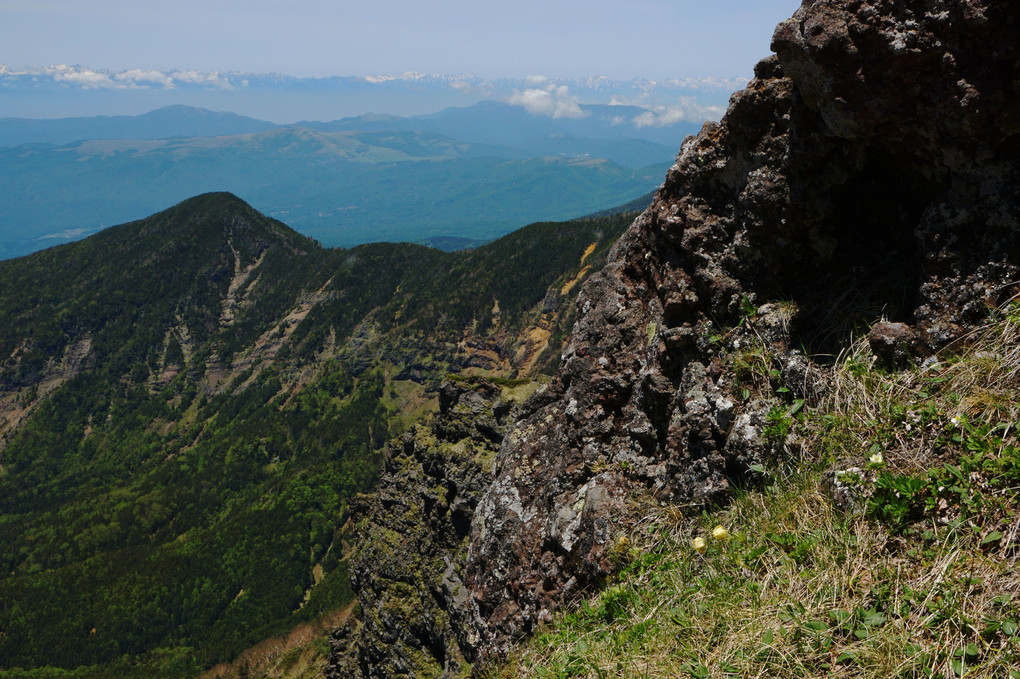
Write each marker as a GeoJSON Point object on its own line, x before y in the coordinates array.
{"type": "Point", "coordinates": [489, 122]}
{"type": "Point", "coordinates": [163, 123]}
{"type": "Point", "coordinates": [637, 205]}
{"type": "Point", "coordinates": [47, 91]}
{"type": "Point", "coordinates": [341, 188]}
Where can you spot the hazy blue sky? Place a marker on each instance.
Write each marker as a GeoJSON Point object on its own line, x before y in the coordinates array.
{"type": "Point", "coordinates": [568, 38]}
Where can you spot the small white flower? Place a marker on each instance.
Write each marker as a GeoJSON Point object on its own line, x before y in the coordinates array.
{"type": "Point", "coordinates": [877, 458]}
{"type": "Point", "coordinates": [956, 420]}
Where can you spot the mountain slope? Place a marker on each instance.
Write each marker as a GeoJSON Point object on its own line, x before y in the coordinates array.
{"type": "Point", "coordinates": [188, 403]}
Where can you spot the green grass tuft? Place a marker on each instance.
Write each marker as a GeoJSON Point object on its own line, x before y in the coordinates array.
{"type": "Point", "coordinates": [917, 578]}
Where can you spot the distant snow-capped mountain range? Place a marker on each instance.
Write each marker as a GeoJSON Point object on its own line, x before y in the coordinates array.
{"type": "Point", "coordinates": [91, 77]}
{"type": "Point", "coordinates": [62, 90]}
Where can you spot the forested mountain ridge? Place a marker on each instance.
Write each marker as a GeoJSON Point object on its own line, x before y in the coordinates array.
{"type": "Point", "coordinates": [189, 401]}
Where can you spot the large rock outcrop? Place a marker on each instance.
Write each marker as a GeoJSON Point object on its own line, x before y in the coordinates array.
{"type": "Point", "coordinates": [869, 170]}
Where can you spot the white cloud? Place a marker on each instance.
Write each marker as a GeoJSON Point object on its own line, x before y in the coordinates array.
{"type": "Point", "coordinates": [537, 79]}
{"type": "Point", "coordinates": [687, 111]}
{"type": "Point", "coordinates": [198, 78]}
{"type": "Point", "coordinates": [552, 101]}
{"type": "Point", "coordinates": [82, 77]}
{"type": "Point", "coordinates": [132, 79]}
{"type": "Point", "coordinates": [670, 116]}
{"type": "Point", "coordinates": [139, 78]}
{"type": "Point", "coordinates": [727, 84]}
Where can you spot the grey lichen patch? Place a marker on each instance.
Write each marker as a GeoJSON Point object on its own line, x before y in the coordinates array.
{"type": "Point", "coordinates": [650, 331]}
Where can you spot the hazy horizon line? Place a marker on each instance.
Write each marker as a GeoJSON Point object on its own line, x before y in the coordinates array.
{"type": "Point", "coordinates": [408, 74]}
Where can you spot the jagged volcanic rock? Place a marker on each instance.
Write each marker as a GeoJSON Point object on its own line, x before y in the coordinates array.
{"type": "Point", "coordinates": [869, 170]}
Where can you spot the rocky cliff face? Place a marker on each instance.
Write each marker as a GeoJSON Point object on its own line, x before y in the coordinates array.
{"type": "Point", "coordinates": [869, 170]}
{"type": "Point", "coordinates": [413, 531]}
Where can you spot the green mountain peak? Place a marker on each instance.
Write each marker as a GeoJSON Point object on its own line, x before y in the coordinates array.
{"type": "Point", "coordinates": [205, 218]}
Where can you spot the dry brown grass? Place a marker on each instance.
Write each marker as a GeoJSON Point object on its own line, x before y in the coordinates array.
{"type": "Point", "coordinates": [297, 654]}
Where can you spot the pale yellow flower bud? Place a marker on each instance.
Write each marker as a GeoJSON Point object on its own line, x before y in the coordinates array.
{"type": "Point", "coordinates": [720, 533]}
{"type": "Point", "coordinates": [699, 545]}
